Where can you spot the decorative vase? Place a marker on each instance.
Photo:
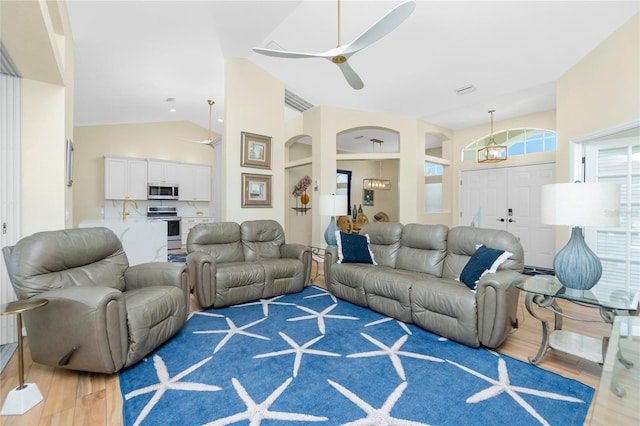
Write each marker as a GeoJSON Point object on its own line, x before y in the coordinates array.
{"type": "Point", "coordinates": [360, 209]}
{"type": "Point", "coordinates": [304, 199]}
{"type": "Point", "coordinates": [576, 266]}
{"type": "Point", "coordinates": [354, 212]}
{"type": "Point", "coordinates": [330, 232]}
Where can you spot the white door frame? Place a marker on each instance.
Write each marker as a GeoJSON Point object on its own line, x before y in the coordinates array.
{"type": "Point", "coordinates": [10, 187]}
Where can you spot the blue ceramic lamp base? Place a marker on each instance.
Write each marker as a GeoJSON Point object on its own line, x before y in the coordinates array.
{"type": "Point", "coordinates": [330, 232]}
{"type": "Point", "coordinates": [576, 266]}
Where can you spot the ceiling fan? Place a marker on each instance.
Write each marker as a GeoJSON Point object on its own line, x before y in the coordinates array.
{"type": "Point", "coordinates": [341, 54]}
{"type": "Point", "coordinates": [209, 141]}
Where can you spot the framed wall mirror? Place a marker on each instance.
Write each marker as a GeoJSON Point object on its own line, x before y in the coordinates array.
{"type": "Point", "coordinates": [343, 186]}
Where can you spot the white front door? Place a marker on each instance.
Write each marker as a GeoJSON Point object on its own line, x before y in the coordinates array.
{"type": "Point", "coordinates": [509, 199]}
{"type": "Point", "coordinates": [483, 200]}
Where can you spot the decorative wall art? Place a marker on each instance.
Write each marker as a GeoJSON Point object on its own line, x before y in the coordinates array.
{"type": "Point", "coordinates": [300, 192]}
{"type": "Point", "coordinates": [367, 197]}
{"type": "Point", "coordinates": [256, 190]}
{"type": "Point", "coordinates": [256, 151]}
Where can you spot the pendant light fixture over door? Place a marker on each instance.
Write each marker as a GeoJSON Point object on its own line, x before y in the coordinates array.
{"type": "Point", "coordinates": [492, 152]}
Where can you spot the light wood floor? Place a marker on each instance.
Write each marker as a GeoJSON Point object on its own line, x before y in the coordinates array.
{"type": "Point", "coordinates": [75, 398]}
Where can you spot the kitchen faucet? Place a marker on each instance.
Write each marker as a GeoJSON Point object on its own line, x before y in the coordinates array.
{"type": "Point", "coordinates": [126, 213]}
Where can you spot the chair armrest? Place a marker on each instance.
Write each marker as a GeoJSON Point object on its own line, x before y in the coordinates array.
{"type": "Point", "coordinates": [300, 252]}
{"type": "Point", "coordinates": [81, 328]}
{"type": "Point", "coordinates": [202, 276]}
{"type": "Point", "coordinates": [497, 301]}
{"type": "Point", "coordinates": [158, 273]}
{"type": "Point", "coordinates": [330, 258]}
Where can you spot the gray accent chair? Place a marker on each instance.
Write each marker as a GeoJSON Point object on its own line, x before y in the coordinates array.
{"type": "Point", "coordinates": [231, 263]}
{"type": "Point", "coordinates": [102, 314]}
{"type": "Point", "coordinates": [416, 280]}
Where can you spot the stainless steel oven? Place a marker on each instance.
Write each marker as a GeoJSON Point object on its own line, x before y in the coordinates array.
{"type": "Point", "coordinates": [168, 214]}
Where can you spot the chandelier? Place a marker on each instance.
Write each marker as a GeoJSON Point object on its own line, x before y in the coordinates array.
{"type": "Point", "coordinates": [377, 183]}
{"type": "Point", "coordinates": [492, 152]}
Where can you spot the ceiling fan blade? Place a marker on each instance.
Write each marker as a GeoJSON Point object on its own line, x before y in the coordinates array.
{"type": "Point", "coordinates": [353, 79]}
{"type": "Point", "coordinates": [286, 54]}
{"type": "Point", "coordinates": [382, 27]}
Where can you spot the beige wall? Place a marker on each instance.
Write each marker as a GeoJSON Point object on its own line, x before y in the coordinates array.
{"type": "Point", "coordinates": [601, 91]}
{"type": "Point", "coordinates": [37, 37]}
{"type": "Point", "coordinates": [161, 141]}
{"type": "Point", "coordinates": [254, 103]}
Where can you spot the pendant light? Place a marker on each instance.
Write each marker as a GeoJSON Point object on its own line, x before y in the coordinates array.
{"type": "Point", "coordinates": [492, 152]}
{"type": "Point", "coordinates": [377, 183]}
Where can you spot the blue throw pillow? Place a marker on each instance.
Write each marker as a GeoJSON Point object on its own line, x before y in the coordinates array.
{"type": "Point", "coordinates": [484, 260]}
{"type": "Point", "coordinates": [353, 248]}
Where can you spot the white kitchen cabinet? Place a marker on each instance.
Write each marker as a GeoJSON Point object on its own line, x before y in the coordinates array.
{"type": "Point", "coordinates": [125, 178]}
{"type": "Point", "coordinates": [163, 171]}
{"type": "Point", "coordinates": [189, 222]}
{"type": "Point", "coordinates": [195, 182]}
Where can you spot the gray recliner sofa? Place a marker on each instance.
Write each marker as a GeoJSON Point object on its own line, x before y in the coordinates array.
{"type": "Point", "coordinates": [416, 280]}
{"type": "Point", "coordinates": [102, 314]}
{"type": "Point", "coordinates": [231, 263]}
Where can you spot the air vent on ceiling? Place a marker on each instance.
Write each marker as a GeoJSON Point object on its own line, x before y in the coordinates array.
{"type": "Point", "coordinates": [466, 89]}
{"type": "Point", "coordinates": [6, 65]}
{"type": "Point", "coordinates": [296, 102]}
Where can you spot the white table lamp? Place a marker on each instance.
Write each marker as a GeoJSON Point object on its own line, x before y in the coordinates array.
{"type": "Point", "coordinates": [332, 205]}
{"type": "Point", "coordinates": [579, 205]}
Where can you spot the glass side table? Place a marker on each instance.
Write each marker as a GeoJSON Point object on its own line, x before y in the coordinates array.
{"type": "Point", "coordinates": [618, 397]}
{"type": "Point", "coordinates": [26, 395]}
{"type": "Point", "coordinates": [544, 290]}
{"type": "Point", "coordinates": [317, 257]}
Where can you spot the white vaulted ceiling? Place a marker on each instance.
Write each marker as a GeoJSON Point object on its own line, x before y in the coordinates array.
{"type": "Point", "coordinates": [130, 56]}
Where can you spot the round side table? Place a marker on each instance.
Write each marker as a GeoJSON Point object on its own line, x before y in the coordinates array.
{"type": "Point", "coordinates": [26, 395]}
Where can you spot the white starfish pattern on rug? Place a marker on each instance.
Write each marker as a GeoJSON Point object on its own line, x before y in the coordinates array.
{"type": "Point", "coordinates": [265, 304]}
{"type": "Point", "coordinates": [298, 351]}
{"type": "Point", "coordinates": [255, 413]}
{"type": "Point", "coordinates": [503, 385]}
{"type": "Point", "coordinates": [166, 382]}
{"type": "Point", "coordinates": [232, 331]}
{"type": "Point", "coordinates": [393, 352]}
{"type": "Point", "coordinates": [387, 319]}
{"type": "Point", "coordinates": [376, 416]}
{"type": "Point", "coordinates": [320, 316]}
{"type": "Point", "coordinates": [205, 314]}
{"type": "Point", "coordinates": [322, 294]}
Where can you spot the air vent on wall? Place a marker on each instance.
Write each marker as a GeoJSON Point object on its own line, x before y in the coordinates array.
{"type": "Point", "coordinates": [296, 102]}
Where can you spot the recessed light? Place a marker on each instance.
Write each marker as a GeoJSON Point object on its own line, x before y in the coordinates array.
{"type": "Point", "coordinates": [220, 120]}
{"type": "Point", "coordinates": [172, 110]}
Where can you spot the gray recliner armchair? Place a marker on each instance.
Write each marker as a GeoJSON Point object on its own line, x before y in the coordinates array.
{"type": "Point", "coordinates": [231, 263]}
{"type": "Point", "coordinates": [102, 314]}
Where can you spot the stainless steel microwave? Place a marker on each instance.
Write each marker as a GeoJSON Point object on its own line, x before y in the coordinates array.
{"type": "Point", "coordinates": [162, 191]}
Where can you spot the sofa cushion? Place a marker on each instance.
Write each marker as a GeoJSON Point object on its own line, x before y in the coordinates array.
{"type": "Point", "coordinates": [220, 240]}
{"type": "Point", "coordinates": [282, 276]}
{"type": "Point", "coordinates": [463, 240]}
{"type": "Point", "coordinates": [354, 248]}
{"type": "Point", "coordinates": [261, 239]}
{"type": "Point", "coordinates": [384, 241]}
{"type": "Point", "coordinates": [485, 260]}
{"type": "Point", "coordinates": [423, 248]}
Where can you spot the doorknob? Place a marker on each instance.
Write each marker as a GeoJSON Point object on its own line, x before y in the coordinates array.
{"type": "Point", "coordinates": [501, 219]}
{"type": "Point", "coordinates": [511, 220]}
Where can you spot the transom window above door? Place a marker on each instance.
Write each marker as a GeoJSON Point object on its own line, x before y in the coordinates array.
{"type": "Point", "coordinates": [518, 142]}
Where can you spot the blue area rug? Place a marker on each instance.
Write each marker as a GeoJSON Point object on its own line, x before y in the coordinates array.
{"type": "Point", "coordinates": [177, 257]}
{"type": "Point", "coordinates": [308, 358]}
